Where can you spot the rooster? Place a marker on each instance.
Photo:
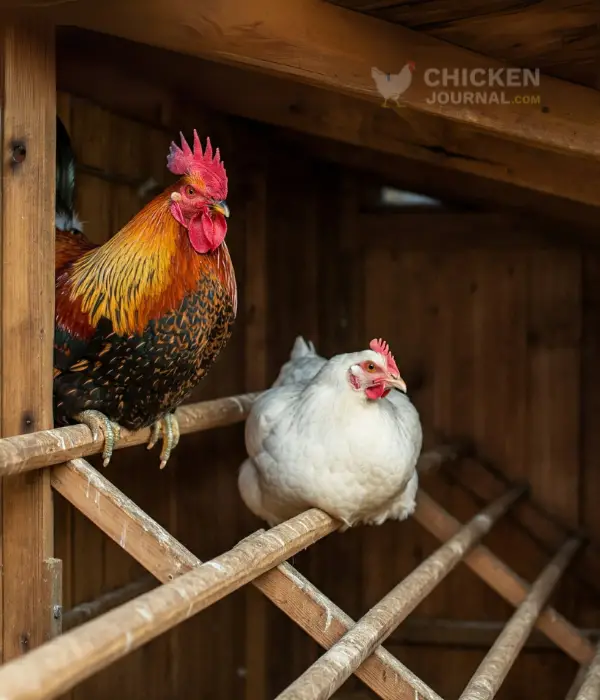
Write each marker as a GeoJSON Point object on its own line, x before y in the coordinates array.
{"type": "Point", "coordinates": [141, 319]}
{"type": "Point", "coordinates": [391, 85]}
{"type": "Point", "coordinates": [338, 434]}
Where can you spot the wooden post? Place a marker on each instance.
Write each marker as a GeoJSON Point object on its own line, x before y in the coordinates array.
{"type": "Point", "coordinates": [28, 124]}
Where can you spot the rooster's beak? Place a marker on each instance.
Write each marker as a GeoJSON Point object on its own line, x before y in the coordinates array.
{"type": "Point", "coordinates": [396, 383]}
{"type": "Point", "coordinates": [221, 208]}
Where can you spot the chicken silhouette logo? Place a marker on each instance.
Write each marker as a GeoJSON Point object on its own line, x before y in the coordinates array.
{"type": "Point", "coordinates": [391, 85]}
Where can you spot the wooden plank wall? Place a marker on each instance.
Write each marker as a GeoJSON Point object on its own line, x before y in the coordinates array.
{"type": "Point", "coordinates": [500, 323]}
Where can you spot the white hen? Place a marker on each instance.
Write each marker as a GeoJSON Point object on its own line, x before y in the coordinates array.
{"type": "Point", "coordinates": [338, 434]}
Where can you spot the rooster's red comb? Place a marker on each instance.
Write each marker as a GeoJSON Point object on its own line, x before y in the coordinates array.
{"type": "Point", "coordinates": [184, 161]}
{"type": "Point", "coordinates": [379, 345]}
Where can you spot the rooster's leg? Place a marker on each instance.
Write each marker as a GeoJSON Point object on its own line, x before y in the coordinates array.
{"type": "Point", "coordinates": [169, 427]}
{"type": "Point", "coordinates": [98, 423]}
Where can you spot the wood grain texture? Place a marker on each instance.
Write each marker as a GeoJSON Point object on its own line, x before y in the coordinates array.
{"type": "Point", "coordinates": [560, 38]}
{"type": "Point", "coordinates": [26, 325]}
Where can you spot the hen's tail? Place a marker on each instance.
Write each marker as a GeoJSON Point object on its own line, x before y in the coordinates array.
{"type": "Point", "coordinates": [302, 348]}
{"type": "Point", "coordinates": [302, 366]}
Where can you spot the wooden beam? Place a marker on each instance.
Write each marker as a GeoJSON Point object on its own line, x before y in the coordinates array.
{"type": "Point", "coordinates": [435, 141]}
{"type": "Point", "coordinates": [491, 672]}
{"type": "Point", "coordinates": [329, 672]}
{"type": "Point", "coordinates": [45, 448]}
{"type": "Point", "coordinates": [503, 580]}
{"type": "Point", "coordinates": [451, 186]}
{"type": "Point", "coordinates": [28, 117]}
{"type": "Point", "coordinates": [59, 665]}
{"type": "Point", "coordinates": [325, 46]}
{"type": "Point", "coordinates": [163, 556]}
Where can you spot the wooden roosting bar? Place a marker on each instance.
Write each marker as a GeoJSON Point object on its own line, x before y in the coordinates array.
{"type": "Point", "coordinates": [68, 647]}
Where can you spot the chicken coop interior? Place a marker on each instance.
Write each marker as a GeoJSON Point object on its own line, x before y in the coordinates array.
{"type": "Point", "coordinates": [465, 234]}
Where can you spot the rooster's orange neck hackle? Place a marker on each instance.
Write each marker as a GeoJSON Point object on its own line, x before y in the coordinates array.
{"type": "Point", "coordinates": [150, 265]}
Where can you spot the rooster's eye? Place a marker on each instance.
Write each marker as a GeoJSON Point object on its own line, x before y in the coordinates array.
{"type": "Point", "coordinates": [370, 367]}
{"type": "Point", "coordinates": [190, 191]}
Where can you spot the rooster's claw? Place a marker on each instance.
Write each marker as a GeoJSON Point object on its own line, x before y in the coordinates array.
{"type": "Point", "coordinates": [98, 423]}
{"type": "Point", "coordinates": [169, 427]}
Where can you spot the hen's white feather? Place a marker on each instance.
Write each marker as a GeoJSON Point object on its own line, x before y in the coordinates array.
{"type": "Point", "coordinates": [312, 441]}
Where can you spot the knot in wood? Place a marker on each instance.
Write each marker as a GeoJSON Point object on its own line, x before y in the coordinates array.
{"type": "Point", "coordinates": [19, 152]}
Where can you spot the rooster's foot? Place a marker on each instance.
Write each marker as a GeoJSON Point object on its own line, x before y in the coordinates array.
{"type": "Point", "coordinates": [98, 423]}
{"type": "Point", "coordinates": [169, 427]}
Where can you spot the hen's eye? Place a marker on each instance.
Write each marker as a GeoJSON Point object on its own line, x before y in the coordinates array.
{"type": "Point", "coordinates": [370, 367]}
{"type": "Point", "coordinates": [190, 191]}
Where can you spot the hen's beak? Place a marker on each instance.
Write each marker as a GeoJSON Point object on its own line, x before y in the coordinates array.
{"type": "Point", "coordinates": [396, 383]}
{"type": "Point", "coordinates": [221, 208]}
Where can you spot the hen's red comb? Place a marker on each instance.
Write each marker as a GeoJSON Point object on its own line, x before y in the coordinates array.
{"type": "Point", "coordinates": [379, 345]}
{"type": "Point", "coordinates": [184, 161]}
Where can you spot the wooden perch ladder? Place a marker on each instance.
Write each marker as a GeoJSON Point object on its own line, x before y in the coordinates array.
{"type": "Point", "coordinates": [189, 586]}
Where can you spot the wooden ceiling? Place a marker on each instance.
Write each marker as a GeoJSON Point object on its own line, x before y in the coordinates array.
{"type": "Point", "coordinates": [560, 37]}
